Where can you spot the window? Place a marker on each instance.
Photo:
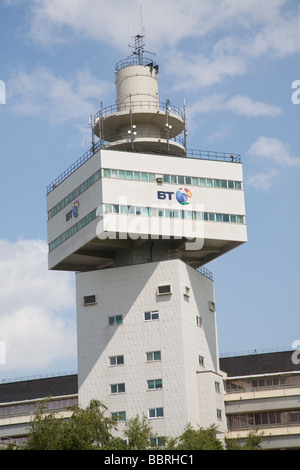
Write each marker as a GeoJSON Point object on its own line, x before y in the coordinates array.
{"type": "Point", "coordinates": [116, 360]}
{"type": "Point", "coordinates": [198, 321]}
{"type": "Point", "coordinates": [119, 415]}
{"type": "Point", "coordinates": [157, 441]}
{"type": "Point", "coordinates": [89, 300]}
{"type": "Point", "coordinates": [201, 360]}
{"type": "Point", "coordinates": [219, 414]}
{"type": "Point", "coordinates": [156, 413]}
{"type": "Point", "coordinates": [117, 388]}
{"type": "Point", "coordinates": [153, 356]}
{"type": "Point", "coordinates": [162, 290]}
{"type": "Point", "coordinates": [115, 320]}
{"type": "Point", "coordinates": [154, 384]}
{"type": "Point", "coordinates": [217, 387]}
{"type": "Point", "coordinates": [151, 315]}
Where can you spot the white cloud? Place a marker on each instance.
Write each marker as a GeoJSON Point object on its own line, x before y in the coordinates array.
{"type": "Point", "coordinates": [261, 180]}
{"type": "Point", "coordinates": [235, 32]}
{"type": "Point", "coordinates": [245, 106]}
{"type": "Point", "coordinates": [37, 307]}
{"type": "Point", "coordinates": [239, 104]}
{"type": "Point", "coordinates": [42, 94]}
{"type": "Point", "coordinates": [273, 150]}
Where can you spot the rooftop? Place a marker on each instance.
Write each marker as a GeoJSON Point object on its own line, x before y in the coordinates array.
{"type": "Point", "coordinates": [196, 154]}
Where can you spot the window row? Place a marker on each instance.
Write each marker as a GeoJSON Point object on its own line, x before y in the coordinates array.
{"type": "Point", "coordinates": [152, 413]}
{"type": "Point", "coordinates": [153, 384]}
{"type": "Point", "coordinates": [262, 382]}
{"type": "Point", "coordinates": [74, 194]}
{"type": "Point", "coordinates": [151, 356]}
{"type": "Point", "coordinates": [173, 179]}
{"type": "Point", "coordinates": [72, 230]}
{"type": "Point", "coordinates": [141, 176]}
{"type": "Point", "coordinates": [148, 316]}
{"type": "Point", "coordinates": [266, 418]}
{"type": "Point", "coordinates": [171, 213]}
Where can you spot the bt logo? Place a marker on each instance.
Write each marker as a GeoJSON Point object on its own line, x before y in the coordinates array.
{"type": "Point", "coordinates": [182, 195]}
{"type": "Point", "coordinates": [73, 212]}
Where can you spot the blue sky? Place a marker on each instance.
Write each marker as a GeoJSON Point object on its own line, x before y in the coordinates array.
{"type": "Point", "coordinates": [234, 64]}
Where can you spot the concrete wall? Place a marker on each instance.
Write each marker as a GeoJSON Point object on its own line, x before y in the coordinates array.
{"type": "Point", "coordinates": [131, 291]}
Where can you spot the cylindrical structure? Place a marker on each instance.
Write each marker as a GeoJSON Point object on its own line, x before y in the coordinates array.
{"type": "Point", "coordinates": [137, 84]}
{"type": "Point", "coordinates": [139, 121]}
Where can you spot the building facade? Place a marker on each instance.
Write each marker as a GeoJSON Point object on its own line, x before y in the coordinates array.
{"type": "Point", "coordinates": [262, 392]}
{"type": "Point", "coordinates": [137, 218]}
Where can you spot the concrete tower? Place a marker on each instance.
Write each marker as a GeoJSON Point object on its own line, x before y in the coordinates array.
{"type": "Point", "coordinates": [136, 218]}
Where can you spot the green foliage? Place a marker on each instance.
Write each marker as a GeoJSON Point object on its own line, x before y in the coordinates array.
{"type": "Point", "coordinates": [85, 429]}
{"type": "Point", "coordinates": [199, 439]}
{"type": "Point", "coordinates": [252, 441]}
{"type": "Point", "coordinates": [92, 428]}
{"type": "Point", "coordinates": [138, 433]}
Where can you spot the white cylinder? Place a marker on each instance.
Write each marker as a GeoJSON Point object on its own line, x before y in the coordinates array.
{"type": "Point", "coordinates": [138, 85]}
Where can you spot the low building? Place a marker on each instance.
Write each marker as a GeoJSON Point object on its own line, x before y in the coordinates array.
{"type": "Point", "coordinates": [18, 400]}
{"type": "Point", "coordinates": [262, 391]}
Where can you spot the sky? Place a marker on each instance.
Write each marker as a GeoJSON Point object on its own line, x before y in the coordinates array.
{"type": "Point", "coordinates": [236, 66]}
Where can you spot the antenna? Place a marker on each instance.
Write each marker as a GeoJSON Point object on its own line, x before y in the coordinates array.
{"type": "Point", "coordinates": [142, 26]}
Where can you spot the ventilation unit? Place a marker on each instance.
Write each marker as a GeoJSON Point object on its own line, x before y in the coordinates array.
{"type": "Point", "coordinates": [89, 300]}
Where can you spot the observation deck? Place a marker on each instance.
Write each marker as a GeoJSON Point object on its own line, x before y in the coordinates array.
{"type": "Point", "coordinates": [139, 120]}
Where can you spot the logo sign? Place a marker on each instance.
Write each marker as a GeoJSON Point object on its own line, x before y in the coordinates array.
{"type": "Point", "coordinates": [73, 212]}
{"type": "Point", "coordinates": [182, 195]}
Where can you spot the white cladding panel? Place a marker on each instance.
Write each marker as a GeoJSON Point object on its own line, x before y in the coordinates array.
{"type": "Point", "coordinates": [131, 291]}
{"type": "Point", "coordinates": [149, 194]}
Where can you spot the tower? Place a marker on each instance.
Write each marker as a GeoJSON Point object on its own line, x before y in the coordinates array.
{"type": "Point", "coordinates": [137, 218]}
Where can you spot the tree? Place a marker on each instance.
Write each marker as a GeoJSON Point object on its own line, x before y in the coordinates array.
{"type": "Point", "coordinates": [199, 439]}
{"type": "Point", "coordinates": [85, 429]}
{"type": "Point", "coordinates": [138, 433]}
{"type": "Point", "coordinates": [252, 441]}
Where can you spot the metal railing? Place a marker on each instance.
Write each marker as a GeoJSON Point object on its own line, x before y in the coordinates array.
{"type": "Point", "coordinates": [201, 154]}
{"type": "Point", "coordinates": [143, 134]}
{"type": "Point", "coordinates": [135, 60]}
{"type": "Point", "coordinates": [138, 105]}
{"type": "Point", "coordinates": [212, 155]}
